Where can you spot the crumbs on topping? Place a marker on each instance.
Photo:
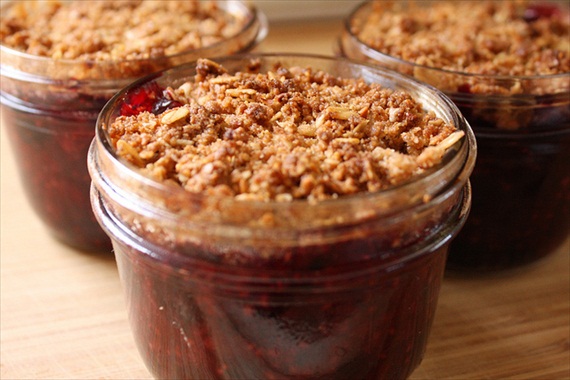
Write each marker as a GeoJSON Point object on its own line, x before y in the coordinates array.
{"type": "Point", "coordinates": [106, 30]}
{"type": "Point", "coordinates": [511, 38]}
{"type": "Point", "coordinates": [290, 133]}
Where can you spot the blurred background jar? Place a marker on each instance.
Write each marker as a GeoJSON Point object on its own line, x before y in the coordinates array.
{"type": "Point", "coordinates": [339, 288]}
{"type": "Point", "coordinates": [515, 95]}
{"type": "Point", "coordinates": [60, 62]}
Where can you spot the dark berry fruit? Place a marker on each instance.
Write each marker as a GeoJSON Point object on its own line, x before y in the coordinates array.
{"type": "Point", "coordinates": [150, 98]}
{"type": "Point", "coordinates": [535, 11]}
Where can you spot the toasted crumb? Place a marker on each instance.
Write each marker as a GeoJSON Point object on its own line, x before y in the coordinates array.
{"type": "Point", "coordinates": [291, 133]}
{"type": "Point", "coordinates": [509, 38]}
{"type": "Point", "coordinates": [106, 30]}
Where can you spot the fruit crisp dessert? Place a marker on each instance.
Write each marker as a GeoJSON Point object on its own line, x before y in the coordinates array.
{"type": "Point", "coordinates": [506, 65]}
{"type": "Point", "coordinates": [61, 61]}
{"type": "Point", "coordinates": [282, 227]}
{"type": "Point", "coordinates": [293, 133]}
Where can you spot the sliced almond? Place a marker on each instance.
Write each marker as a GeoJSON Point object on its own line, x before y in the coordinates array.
{"type": "Point", "coordinates": [174, 115]}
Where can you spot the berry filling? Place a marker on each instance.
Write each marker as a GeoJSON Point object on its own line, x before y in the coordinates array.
{"type": "Point", "coordinates": [148, 98]}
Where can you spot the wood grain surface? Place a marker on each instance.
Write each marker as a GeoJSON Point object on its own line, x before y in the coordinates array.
{"type": "Point", "coordinates": [63, 316]}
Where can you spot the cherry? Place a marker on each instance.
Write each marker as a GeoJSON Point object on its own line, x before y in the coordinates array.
{"type": "Point", "coordinates": [535, 11]}
{"type": "Point", "coordinates": [150, 98]}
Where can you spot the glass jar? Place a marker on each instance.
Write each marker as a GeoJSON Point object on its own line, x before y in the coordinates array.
{"type": "Point", "coordinates": [521, 182]}
{"type": "Point", "coordinates": [50, 108]}
{"type": "Point", "coordinates": [343, 288]}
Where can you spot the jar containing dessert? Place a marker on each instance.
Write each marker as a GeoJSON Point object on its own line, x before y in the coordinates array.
{"type": "Point", "coordinates": [281, 216]}
{"type": "Point", "coordinates": [61, 61]}
{"type": "Point", "coordinates": [506, 65]}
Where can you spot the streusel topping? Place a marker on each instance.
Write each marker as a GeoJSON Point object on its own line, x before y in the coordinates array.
{"type": "Point", "coordinates": [512, 38]}
{"type": "Point", "coordinates": [105, 30]}
{"type": "Point", "coordinates": [290, 133]}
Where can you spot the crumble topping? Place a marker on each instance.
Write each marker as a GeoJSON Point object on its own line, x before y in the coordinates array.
{"type": "Point", "coordinates": [511, 38]}
{"type": "Point", "coordinates": [114, 30]}
{"type": "Point", "coordinates": [290, 133]}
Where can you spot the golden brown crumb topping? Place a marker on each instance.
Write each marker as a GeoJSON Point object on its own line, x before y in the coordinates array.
{"type": "Point", "coordinates": [482, 37]}
{"type": "Point", "coordinates": [114, 30]}
{"type": "Point", "coordinates": [290, 133]}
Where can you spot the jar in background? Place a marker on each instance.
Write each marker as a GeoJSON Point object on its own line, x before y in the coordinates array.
{"type": "Point", "coordinates": [521, 182]}
{"type": "Point", "coordinates": [341, 288]}
{"type": "Point", "coordinates": [50, 108]}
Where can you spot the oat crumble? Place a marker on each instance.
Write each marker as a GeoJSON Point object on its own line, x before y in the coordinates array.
{"type": "Point", "coordinates": [114, 30]}
{"type": "Point", "coordinates": [290, 133]}
{"type": "Point", "coordinates": [511, 38]}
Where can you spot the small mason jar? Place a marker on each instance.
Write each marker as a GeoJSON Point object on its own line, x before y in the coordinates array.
{"type": "Point", "coordinates": [521, 182]}
{"type": "Point", "coordinates": [49, 110]}
{"type": "Point", "coordinates": [334, 289]}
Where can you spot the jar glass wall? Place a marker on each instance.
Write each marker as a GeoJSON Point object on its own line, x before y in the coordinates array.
{"type": "Point", "coordinates": [521, 183]}
{"type": "Point", "coordinates": [342, 288]}
{"type": "Point", "coordinates": [50, 108]}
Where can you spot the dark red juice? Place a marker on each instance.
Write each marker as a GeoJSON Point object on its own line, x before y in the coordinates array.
{"type": "Point", "coordinates": [521, 191]}
{"type": "Point", "coordinates": [50, 150]}
{"type": "Point", "coordinates": [192, 323]}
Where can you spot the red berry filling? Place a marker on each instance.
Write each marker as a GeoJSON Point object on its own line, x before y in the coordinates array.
{"type": "Point", "coordinates": [150, 98]}
{"type": "Point", "coordinates": [535, 11]}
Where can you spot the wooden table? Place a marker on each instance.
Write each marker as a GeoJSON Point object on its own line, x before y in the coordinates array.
{"type": "Point", "coordinates": [63, 316]}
